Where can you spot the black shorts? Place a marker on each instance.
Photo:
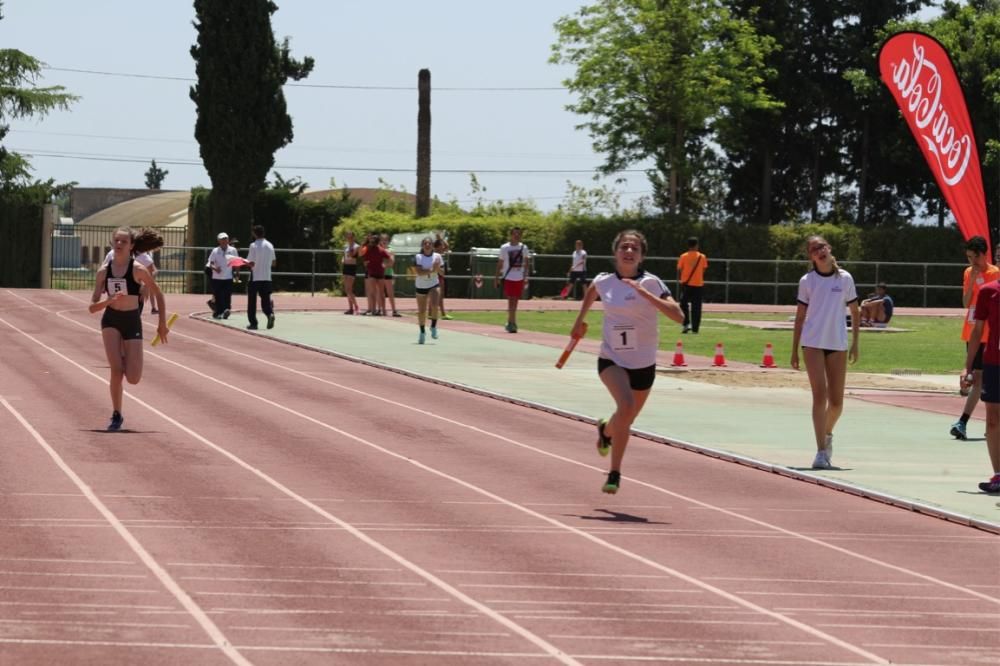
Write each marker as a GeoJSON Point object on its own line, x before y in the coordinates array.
{"type": "Point", "coordinates": [578, 276]}
{"type": "Point", "coordinates": [639, 379]}
{"type": "Point", "coordinates": [126, 322]}
{"type": "Point", "coordinates": [422, 291]}
{"type": "Point", "coordinates": [350, 269]}
{"type": "Point", "coordinates": [991, 384]}
{"type": "Point", "coordinates": [977, 363]}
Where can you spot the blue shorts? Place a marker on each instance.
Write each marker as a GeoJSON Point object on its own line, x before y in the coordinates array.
{"type": "Point", "coordinates": [991, 383]}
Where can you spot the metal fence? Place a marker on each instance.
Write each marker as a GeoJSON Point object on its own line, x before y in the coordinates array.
{"type": "Point", "coordinates": [79, 251]}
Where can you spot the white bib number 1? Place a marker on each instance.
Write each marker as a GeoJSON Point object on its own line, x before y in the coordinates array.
{"type": "Point", "coordinates": [624, 338]}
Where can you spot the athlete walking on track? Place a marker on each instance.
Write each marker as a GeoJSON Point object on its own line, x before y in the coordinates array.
{"type": "Point", "coordinates": [979, 273]}
{"type": "Point", "coordinates": [427, 285]}
{"type": "Point", "coordinates": [632, 300]}
{"type": "Point", "coordinates": [121, 325]}
{"type": "Point", "coordinates": [824, 292]}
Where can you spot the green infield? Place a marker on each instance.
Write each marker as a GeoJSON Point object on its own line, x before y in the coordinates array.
{"type": "Point", "coordinates": [927, 345]}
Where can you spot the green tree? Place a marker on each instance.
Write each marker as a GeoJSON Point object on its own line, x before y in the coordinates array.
{"type": "Point", "coordinates": [242, 115]}
{"type": "Point", "coordinates": [155, 176]}
{"type": "Point", "coordinates": [819, 159]}
{"type": "Point", "coordinates": [971, 34]}
{"type": "Point", "coordinates": [654, 78]}
{"type": "Point", "coordinates": [20, 97]}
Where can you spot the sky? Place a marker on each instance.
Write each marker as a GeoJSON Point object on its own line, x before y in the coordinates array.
{"type": "Point", "coordinates": [130, 63]}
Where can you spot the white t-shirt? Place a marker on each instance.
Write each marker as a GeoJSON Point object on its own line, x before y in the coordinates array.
{"type": "Point", "coordinates": [631, 324]}
{"type": "Point", "coordinates": [826, 297]}
{"type": "Point", "coordinates": [427, 262]}
{"type": "Point", "coordinates": [513, 261]}
{"type": "Point", "coordinates": [144, 258]}
{"type": "Point", "coordinates": [261, 253]}
{"type": "Point", "coordinates": [579, 264]}
{"type": "Point", "coordinates": [348, 258]}
{"type": "Point", "coordinates": [219, 258]}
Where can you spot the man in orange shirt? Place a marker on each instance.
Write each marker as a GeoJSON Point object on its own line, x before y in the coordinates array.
{"type": "Point", "coordinates": [691, 274]}
{"type": "Point", "coordinates": [979, 272]}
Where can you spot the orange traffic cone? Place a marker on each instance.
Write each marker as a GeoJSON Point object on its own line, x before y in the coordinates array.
{"type": "Point", "coordinates": [720, 357]}
{"type": "Point", "coordinates": [768, 361]}
{"type": "Point", "coordinates": [679, 356]}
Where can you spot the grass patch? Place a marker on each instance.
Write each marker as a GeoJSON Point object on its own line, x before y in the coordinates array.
{"type": "Point", "coordinates": [933, 345]}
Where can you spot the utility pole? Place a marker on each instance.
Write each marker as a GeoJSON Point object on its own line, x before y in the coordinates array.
{"type": "Point", "coordinates": [424, 143]}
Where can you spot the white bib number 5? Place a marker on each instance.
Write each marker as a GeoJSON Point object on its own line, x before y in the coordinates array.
{"type": "Point", "coordinates": [623, 338]}
{"type": "Point", "coordinates": [116, 285]}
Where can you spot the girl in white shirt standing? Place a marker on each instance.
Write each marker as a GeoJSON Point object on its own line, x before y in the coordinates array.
{"type": "Point", "coordinates": [632, 300]}
{"type": "Point", "coordinates": [824, 292]}
{"type": "Point", "coordinates": [427, 285]}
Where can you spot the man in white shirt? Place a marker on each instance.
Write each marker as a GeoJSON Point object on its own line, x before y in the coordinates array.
{"type": "Point", "coordinates": [260, 259]}
{"type": "Point", "coordinates": [222, 276]}
{"type": "Point", "coordinates": [577, 274]}
{"type": "Point", "coordinates": [512, 271]}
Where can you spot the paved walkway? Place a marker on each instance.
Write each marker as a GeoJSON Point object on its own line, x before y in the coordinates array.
{"type": "Point", "coordinates": [889, 445]}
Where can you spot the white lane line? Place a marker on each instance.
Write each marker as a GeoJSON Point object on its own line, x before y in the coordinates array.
{"type": "Point", "coordinates": [991, 630]}
{"type": "Point", "coordinates": [693, 641]}
{"type": "Point", "coordinates": [210, 628]}
{"type": "Point", "coordinates": [63, 604]}
{"type": "Point", "coordinates": [58, 588]}
{"type": "Point", "coordinates": [537, 640]}
{"type": "Point", "coordinates": [309, 581]}
{"type": "Point", "coordinates": [523, 632]}
{"type": "Point", "coordinates": [816, 581]}
{"type": "Point", "coordinates": [85, 623]}
{"type": "Point", "coordinates": [127, 644]}
{"type": "Point", "coordinates": [58, 560]}
{"type": "Point", "coordinates": [368, 632]}
{"type": "Point", "coordinates": [58, 574]}
{"type": "Point", "coordinates": [994, 599]}
{"type": "Point", "coordinates": [231, 565]}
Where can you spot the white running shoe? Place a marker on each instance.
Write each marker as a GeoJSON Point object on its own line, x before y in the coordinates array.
{"type": "Point", "coordinates": [821, 461]}
{"type": "Point", "coordinates": [828, 447]}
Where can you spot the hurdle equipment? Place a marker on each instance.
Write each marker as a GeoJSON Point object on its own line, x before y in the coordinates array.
{"type": "Point", "coordinates": [678, 361]}
{"type": "Point", "coordinates": [720, 357]}
{"type": "Point", "coordinates": [768, 360]}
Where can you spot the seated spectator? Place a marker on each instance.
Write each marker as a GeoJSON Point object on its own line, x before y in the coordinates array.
{"type": "Point", "coordinates": [876, 310]}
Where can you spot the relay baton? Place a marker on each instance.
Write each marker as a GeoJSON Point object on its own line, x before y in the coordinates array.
{"type": "Point", "coordinates": [569, 348]}
{"type": "Point", "coordinates": [170, 323]}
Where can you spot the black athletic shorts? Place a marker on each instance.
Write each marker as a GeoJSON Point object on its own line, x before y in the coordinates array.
{"type": "Point", "coordinates": [350, 269]}
{"type": "Point", "coordinates": [639, 379]}
{"type": "Point", "coordinates": [126, 322]}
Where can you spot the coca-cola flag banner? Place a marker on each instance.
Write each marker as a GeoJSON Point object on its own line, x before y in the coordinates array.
{"type": "Point", "coordinates": [922, 79]}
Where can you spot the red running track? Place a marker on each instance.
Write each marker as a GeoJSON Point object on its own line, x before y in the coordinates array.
{"type": "Point", "coordinates": [270, 505]}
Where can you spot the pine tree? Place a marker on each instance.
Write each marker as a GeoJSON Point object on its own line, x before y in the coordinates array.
{"type": "Point", "coordinates": [242, 115]}
{"type": "Point", "coordinates": [155, 176]}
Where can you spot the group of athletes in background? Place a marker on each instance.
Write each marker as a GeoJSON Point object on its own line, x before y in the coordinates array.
{"type": "Point", "coordinates": [632, 300]}
{"type": "Point", "coordinates": [379, 262]}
